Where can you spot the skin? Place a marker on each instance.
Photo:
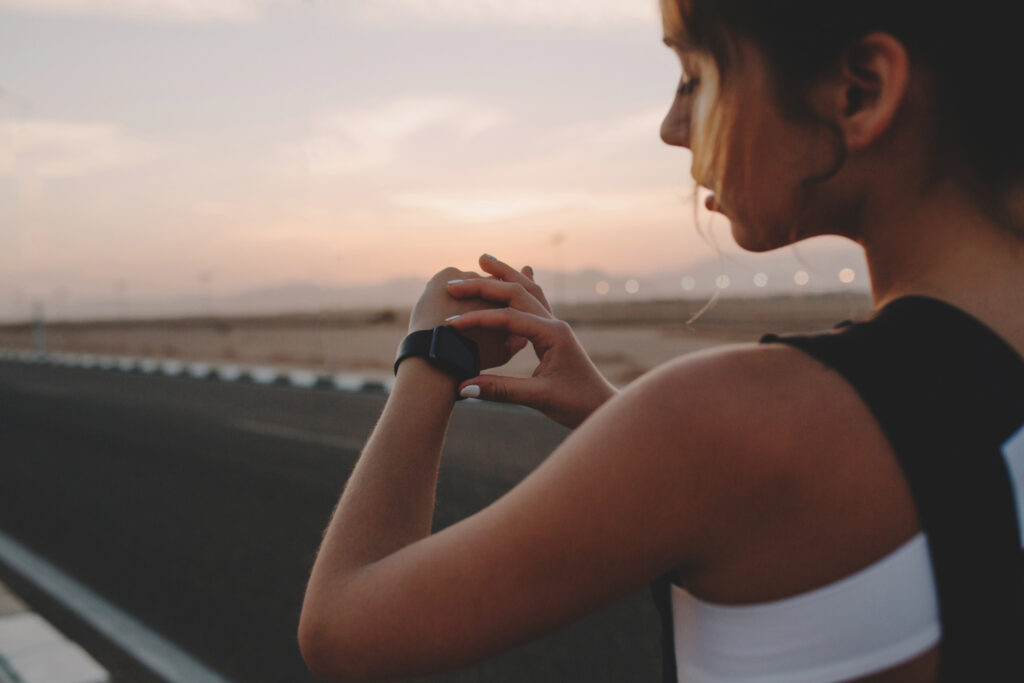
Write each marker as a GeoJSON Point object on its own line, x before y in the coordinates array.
{"type": "Point", "coordinates": [738, 468]}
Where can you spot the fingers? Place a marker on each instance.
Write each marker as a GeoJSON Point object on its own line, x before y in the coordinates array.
{"type": "Point", "coordinates": [511, 293]}
{"type": "Point", "coordinates": [541, 331]}
{"type": "Point", "coordinates": [452, 273]}
{"type": "Point", "coordinates": [501, 390]}
{"type": "Point", "coordinates": [503, 271]}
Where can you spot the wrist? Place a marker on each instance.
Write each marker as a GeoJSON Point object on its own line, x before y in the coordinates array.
{"type": "Point", "coordinates": [419, 372]}
{"type": "Point", "coordinates": [444, 349]}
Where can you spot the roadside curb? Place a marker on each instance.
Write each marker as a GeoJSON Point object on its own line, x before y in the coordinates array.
{"type": "Point", "coordinates": [204, 370]}
{"type": "Point", "coordinates": [33, 651]}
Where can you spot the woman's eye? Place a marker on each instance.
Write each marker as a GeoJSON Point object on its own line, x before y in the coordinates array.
{"type": "Point", "coordinates": [688, 87]}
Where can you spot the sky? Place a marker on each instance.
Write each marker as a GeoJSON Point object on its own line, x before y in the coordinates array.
{"type": "Point", "coordinates": [153, 148]}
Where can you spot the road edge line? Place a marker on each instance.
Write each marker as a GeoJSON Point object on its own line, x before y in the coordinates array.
{"type": "Point", "coordinates": [151, 649]}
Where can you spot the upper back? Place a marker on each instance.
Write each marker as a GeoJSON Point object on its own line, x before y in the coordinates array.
{"type": "Point", "coordinates": [872, 426]}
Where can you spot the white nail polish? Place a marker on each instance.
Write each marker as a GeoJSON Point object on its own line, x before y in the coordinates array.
{"type": "Point", "coordinates": [451, 318]}
{"type": "Point", "coordinates": [454, 282]}
{"type": "Point", "coordinates": [471, 391]}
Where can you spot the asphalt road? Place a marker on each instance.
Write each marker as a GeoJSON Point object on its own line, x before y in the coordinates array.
{"type": "Point", "coordinates": [197, 506]}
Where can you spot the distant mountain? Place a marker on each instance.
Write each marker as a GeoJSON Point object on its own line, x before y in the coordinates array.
{"type": "Point", "coordinates": [297, 297]}
{"type": "Point", "coordinates": [300, 297]}
{"type": "Point", "coordinates": [733, 274]}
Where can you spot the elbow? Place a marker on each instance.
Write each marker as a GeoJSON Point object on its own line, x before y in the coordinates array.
{"type": "Point", "coordinates": [328, 653]}
{"type": "Point", "coordinates": [314, 645]}
{"type": "Point", "coordinates": [320, 650]}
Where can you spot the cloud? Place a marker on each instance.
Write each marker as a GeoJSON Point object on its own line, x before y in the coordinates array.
{"type": "Point", "coordinates": [467, 12]}
{"type": "Point", "coordinates": [638, 127]}
{"type": "Point", "coordinates": [497, 206]}
{"type": "Point", "coordinates": [353, 140]}
{"type": "Point", "coordinates": [164, 10]}
{"type": "Point", "coordinates": [515, 12]}
{"type": "Point", "coordinates": [61, 149]}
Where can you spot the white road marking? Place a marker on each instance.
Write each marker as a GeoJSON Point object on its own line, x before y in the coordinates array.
{"type": "Point", "coordinates": [1013, 453]}
{"type": "Point", "coordinates": [35, 651]}
{"type": "Point", "coordinates": [303, 378]}
{"type": "Point", "coordinates": [230, 373]}
{"type": "Point", "coordinates": [263, 375]}
{"type": "Point", "coordinates": [199, 370]}
{"type": "Point", "coordinates": [151, 649]}
{"type": "Point", "coordinates": [171, 367]}
{"type": "Point", "coordinates": [347, 381]}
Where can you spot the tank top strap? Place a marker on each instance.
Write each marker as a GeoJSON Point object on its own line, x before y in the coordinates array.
{"type": "Point", "coordinates": [661, 593]}
{"type": "Point", "coordinates": [948, 393]}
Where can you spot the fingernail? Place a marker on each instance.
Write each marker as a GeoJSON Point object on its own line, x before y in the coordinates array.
{"type": "Point", "coordinates": [451, 318]}
{"type": "Point", "coordinates": [471, 391]}
{"type": "Point", "coordinates": [455, 282]}
{"type": "Point", "coordinates": [489, 257]}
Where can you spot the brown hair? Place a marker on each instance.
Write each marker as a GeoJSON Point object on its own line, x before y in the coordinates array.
{"type": "Point", "coordinates": [968, 52]}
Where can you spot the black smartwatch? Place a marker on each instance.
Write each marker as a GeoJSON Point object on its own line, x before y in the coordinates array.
{"type": "Point", "coordinates": [445, 349]}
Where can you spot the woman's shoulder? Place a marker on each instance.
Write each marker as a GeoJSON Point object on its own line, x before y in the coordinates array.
{"type": "Point", "coordinates": [792, 459]}
{"type": "Point", "coordinates": [756, 405]}
{"type": "Point", "coordinates": [754, 385]}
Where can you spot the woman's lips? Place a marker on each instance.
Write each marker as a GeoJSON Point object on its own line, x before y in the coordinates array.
{"type": "Point", "coordinates": [711, 203]}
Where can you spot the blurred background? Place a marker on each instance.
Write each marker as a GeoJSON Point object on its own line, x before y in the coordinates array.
{"type": "Point", "coordinates": [188, 156]}
{"type": "Point", "coordinates": [253, 192]}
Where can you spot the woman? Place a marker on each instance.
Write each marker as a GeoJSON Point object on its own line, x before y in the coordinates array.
{"type": "Point", "coordinates": [781, 487]}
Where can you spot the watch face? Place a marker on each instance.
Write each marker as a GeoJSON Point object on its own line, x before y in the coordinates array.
{"type": "Point", "coordinates": [454, 353]}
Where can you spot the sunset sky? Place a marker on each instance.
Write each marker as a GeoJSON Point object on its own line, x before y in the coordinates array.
{"type": "Point", "coordinates": [161, 146]}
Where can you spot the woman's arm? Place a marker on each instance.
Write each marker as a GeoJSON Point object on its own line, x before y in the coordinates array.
{"type": "Point", "coordinates": [386, 599]}
{"type": "Point", "coordinates": [640, 488]}
{"type": "Point", "coordinates": [388, 501]}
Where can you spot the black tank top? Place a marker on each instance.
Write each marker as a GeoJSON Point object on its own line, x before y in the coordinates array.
{"type": "Point", "coordinates": [949, 395]}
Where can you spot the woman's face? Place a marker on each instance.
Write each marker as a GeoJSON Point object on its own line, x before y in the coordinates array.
{"type": "Point", "coordinates": [745, 150]}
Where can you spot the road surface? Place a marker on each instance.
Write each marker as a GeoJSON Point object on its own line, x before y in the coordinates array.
{"type": "Point", "coordinates": [196, 506]}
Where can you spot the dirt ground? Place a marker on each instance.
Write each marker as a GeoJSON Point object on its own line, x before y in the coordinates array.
{"type": "Point", "coordinates": [625, 339]}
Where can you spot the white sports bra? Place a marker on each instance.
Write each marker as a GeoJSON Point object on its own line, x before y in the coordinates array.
{"type": "Point", "coordinates": [864, 623]}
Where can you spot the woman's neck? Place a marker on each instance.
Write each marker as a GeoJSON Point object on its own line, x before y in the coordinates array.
{"type": "Point", "coordinates": [942, 244]}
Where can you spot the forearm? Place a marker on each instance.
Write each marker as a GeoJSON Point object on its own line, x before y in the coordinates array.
{"type": "Point", "coordinates": [388, 501]}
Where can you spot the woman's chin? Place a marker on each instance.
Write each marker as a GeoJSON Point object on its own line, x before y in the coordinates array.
{"type": "Point", "coordinates": [757, 240]}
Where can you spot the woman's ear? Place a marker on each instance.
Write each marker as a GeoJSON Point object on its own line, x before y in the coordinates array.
{"type": "Point", "coordinates": [873, 76]}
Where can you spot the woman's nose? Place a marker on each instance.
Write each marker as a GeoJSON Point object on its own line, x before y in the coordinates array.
{"type": "Point", "coordinates": [675, 128]}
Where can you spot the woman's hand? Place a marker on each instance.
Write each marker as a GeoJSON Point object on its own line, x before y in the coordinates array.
{"type": "Point", "coordinates": [436, 305]}
{"type": "Point", "coordinates": [566, 385]}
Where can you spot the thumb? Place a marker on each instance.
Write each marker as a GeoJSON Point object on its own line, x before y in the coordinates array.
{"type": "Point", "coordinates": [501, 389]}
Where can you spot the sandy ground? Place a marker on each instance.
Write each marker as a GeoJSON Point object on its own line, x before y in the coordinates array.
{"type": "Point", "coordinates": [625, 339]}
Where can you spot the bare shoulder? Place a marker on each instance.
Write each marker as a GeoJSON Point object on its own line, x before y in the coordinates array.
{"type": "Point", "coordinates": [790, 459]}
{"type": "Point", "coordinates": [749, 397]}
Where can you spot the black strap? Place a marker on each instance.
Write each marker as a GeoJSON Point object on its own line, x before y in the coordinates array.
{"type": "Point", "coordinates": [661, 592]}
{"type": "Point", "coordinates": [948, 392]}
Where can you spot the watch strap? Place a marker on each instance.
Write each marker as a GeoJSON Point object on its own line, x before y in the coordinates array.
{"type": "Point", "coordinates": [415, 344]}
{"type": "Point", "coordinates": [445, 349]}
